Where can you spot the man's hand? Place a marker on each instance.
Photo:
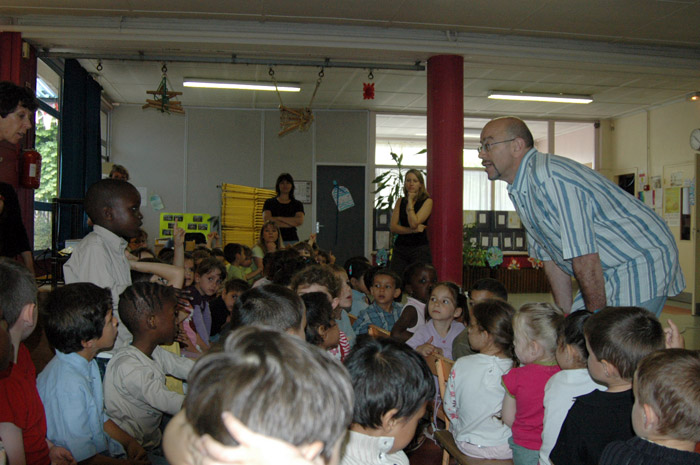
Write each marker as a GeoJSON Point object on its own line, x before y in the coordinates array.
{"type": "Point", "coordinates": [674, 338]}
{"type": "Point", "coordinates": [61, 456]}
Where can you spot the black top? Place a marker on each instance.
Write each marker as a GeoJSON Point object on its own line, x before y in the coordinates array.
{"type": "Point", "coordinates": [13, 235]}
{"type": "Point", "coordinates": [416, 239]}
{"type": "Point", "coordinates": [219, 313]}
{"type": "Point", "coordinates": [639, 451]}
{"type": "Point", "coordinates": [287, 210]}
{"type": "Point", "coordinates": [595, 420]}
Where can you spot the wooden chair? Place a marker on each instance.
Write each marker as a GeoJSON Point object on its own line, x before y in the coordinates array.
{"type": "Point", "coordinates": [443, 367]}
{"type": "Point", "coordinates": [377, 332]}
{"type": "Point", "coordinates": [352, 318]}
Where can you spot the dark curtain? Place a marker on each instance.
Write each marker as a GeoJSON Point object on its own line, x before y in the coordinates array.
{"type": "Point", "coordinates": [81, 164]}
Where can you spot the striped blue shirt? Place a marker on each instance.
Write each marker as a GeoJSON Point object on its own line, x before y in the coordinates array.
{"type": "Point", "coordinates": [569, 210]}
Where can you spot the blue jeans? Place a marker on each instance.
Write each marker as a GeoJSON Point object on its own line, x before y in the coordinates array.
{"type": "Point", "coordinates": [522, 455]}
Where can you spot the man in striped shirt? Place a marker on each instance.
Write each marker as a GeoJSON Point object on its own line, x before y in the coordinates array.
{"type": "Point", "coordinates": [581, 224]}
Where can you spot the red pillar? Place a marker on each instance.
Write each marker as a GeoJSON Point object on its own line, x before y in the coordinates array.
{"type": "Point", "coordinates": [445, 178]}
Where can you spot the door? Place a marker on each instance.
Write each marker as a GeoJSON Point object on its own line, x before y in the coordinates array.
{"type": "Point", "coordinates": [342, 233]}
{"type": "Point", "coordinates": [696, 240]}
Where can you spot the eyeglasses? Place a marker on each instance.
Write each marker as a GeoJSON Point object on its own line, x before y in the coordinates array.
{"type": "Point", "coordinates": [487, 147]}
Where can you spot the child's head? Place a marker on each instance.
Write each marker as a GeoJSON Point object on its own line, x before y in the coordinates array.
{"type": "Point", "coordinates": [217, 253]}
{"type": "Point", "coordinates": [247, 256]}
{"type": "Point", "coordinates": [270, 234]}
{"type": "Point", "coordinates": [392, 384]}
{"type": "Point", "coordinates": [149, 310]}
{"type": "Point", "coordinates": [17, 297]}
{"type": "Point", "coordinates": [233, 252]}
{"type": "Point", "coordinates": [277, 386]}
{"type": "Point", "coordinates": [386, 286]}
{"type": "Point", "coordinates": [286, 265]}
{"type": "Point", "coordinates": [447, 302]}
{"type": "Point", "coordinates": [321, 328]}
{"type": "Point", "coordinates": [119, 173]}
{"type": "Point", "coordinates": [618, 338]}
{"type": "Point", "coordinates": [209, 275]}
{"type": "Point", "coordinates": [200, 254]}
{"type": "Point", "coordinates": [317, 278]}
{"type": "Point", "coordinates": [571, 344]}
{"type": "Point", "coordinates": [356, 267]}
{"type": "Point", "coordinates": [491, 327]}
{"type": "Point", "coordinates": [143, 252]}
{"type": "Point", "coordinates": [273, 306]}
{"type": "Point", "coordinates": [139, 241]}
{"type": "Point", "coordinates": [487, 288]}
{"type": "Point", "coordinates": [189, 269]}
{"type": "Point", "coordinates": [304, 250]}
{"type": "Point", "coordinates": [535, 332]}
{"type": "Point", "coordinates": [323, 257]}
{"type": "Point", "coordinates": [368, 277]}
{"type": "Point", "coordinates": [418, 279]}
{"type": "Point", "coordinates": [79, 316]}
{"type": "Point", "coordinates": [114, 205]}
{"type": "Point", "coordinates": [345, 296]}
{"type": "Point", "coordinates": [233, 289]}
{"type": "Point", "coordinates": [667, 396]}
{"type": "Point", "coordinates": [166, 255]}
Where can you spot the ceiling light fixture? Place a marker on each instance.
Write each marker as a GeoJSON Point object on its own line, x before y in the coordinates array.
{"type": "Point", "coordinates": [694, 97]}
{"type": "Point", "coordinates": [529, 97]}
{"type": "Point", "coordinates": [239, 85]}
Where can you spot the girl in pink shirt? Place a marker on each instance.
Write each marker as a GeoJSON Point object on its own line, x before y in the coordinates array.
{"type": "Point", "coordinates": [535, 339]}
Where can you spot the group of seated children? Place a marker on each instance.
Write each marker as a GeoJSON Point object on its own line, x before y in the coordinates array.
{"type": "Point", "coordinates": [529, 385]}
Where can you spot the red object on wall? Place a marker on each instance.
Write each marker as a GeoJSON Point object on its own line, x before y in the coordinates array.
{"type": "Point", "coordinates": [445, 178]}
{"type": "Point", "coordinates": [31, 169]}
{"type": "Point", "coordinates": [22, 71]}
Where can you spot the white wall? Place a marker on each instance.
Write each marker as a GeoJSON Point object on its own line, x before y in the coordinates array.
{"type": "Point", "coordinates": [650, 141]}
{"type": "Point", "coordinates": [184, 158]}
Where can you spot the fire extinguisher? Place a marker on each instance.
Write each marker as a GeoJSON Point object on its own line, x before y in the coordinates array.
{"type": "Point", "coordinates": [31, 169]}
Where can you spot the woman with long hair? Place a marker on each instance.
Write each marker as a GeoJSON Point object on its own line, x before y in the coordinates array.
{"type": "Point", "coordinates": [409, 221]}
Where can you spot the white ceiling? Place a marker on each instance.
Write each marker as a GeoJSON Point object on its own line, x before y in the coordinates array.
{"type": "Point", "coordinates": [629, 55]}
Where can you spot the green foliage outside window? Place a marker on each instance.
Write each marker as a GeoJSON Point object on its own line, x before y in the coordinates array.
{"type": "Point", "coordinates": [46, 144]}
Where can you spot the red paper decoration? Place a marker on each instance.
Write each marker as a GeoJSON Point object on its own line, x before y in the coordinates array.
{"type": "Point", "coordinates": [368, 91]}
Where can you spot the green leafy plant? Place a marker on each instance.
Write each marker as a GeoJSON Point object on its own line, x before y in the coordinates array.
{"type": "Point", "coordinates": [393, 180]}
{"type": "Point", "coordinates": [472, 254]}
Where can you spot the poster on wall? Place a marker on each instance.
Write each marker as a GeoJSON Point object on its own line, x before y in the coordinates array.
{"type": "Point", "coordinates": [190, 222]}
{"type": "Point", "coordinates": [672, 206]}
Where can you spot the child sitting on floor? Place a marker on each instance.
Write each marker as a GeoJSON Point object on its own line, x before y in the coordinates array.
{"type": "Point", "coordinates": [572, 381]}
{"type": "Point", "coordinates": [208, 276]}
{"type": "Point", "coordinates": [392, 385]}
{"type": "Point", "coordinates": [386, 287]}
{"type": "Point", "coordinates": [482, 289]}
{"type": "Point", "coordinates": [446, 303]}
{"type": "Point", "coordinates": [474, 394]}
{"type": "Point", "coordinates": [535, 340]}
{"type": "Point", "coordinates": [223, 306]}
{"type": "Point", "coordinates": [250, 379]}
{"type": "Point", "coordinates": [666, 412]}
{"type": "Point", "coordinates": [22, 417]}
{"type": "Point", "coordinates": [79, 323]}
{"type": "Point", "coordinates": [356, 267]}
{"type": "Point", "coordinates": [419, 278]}
{"type": "Point", "coordinates": [134, 385]}
{"type": "Point", "coordinates": [344, 303]}
{"type": "Point", "coordinates": [321, 328]}
{"type": "Point", "coordinates": [617, 338]}
{"type": "Point", "coordinates": [274, 307]}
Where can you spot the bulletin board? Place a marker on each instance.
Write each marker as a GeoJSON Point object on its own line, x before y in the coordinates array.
{"type": "Point", "coordinates": [190, 222]}
{"type": "Point", "coordinates": [679, 196]}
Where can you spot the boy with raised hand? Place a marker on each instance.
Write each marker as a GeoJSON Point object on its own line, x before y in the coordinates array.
{"type": "Point", "coordinates": [79, 323]}
{"type": "Point", "coordinates": [666, 412]}
{"type": "Point", "coordinates": [99, 258]}
{"type": "Point", "coordinates": [384, 312]}
{"type": "Point", "coordinates": [22, 418]}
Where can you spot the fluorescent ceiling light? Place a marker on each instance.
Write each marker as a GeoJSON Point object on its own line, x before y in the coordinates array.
{"type": "Point", "coordinates": [555, 98]}
{"type": "Point", "coordinates": [239, 85]}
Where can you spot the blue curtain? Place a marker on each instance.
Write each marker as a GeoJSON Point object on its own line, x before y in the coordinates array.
{"type": "Point", "coordinates": [81, 164]}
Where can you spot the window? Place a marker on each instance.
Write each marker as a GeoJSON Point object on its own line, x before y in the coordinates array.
{"type": "Point", "coordinates": [47, 124]}
{"type": "Point", "coordinates": [406, 134]}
